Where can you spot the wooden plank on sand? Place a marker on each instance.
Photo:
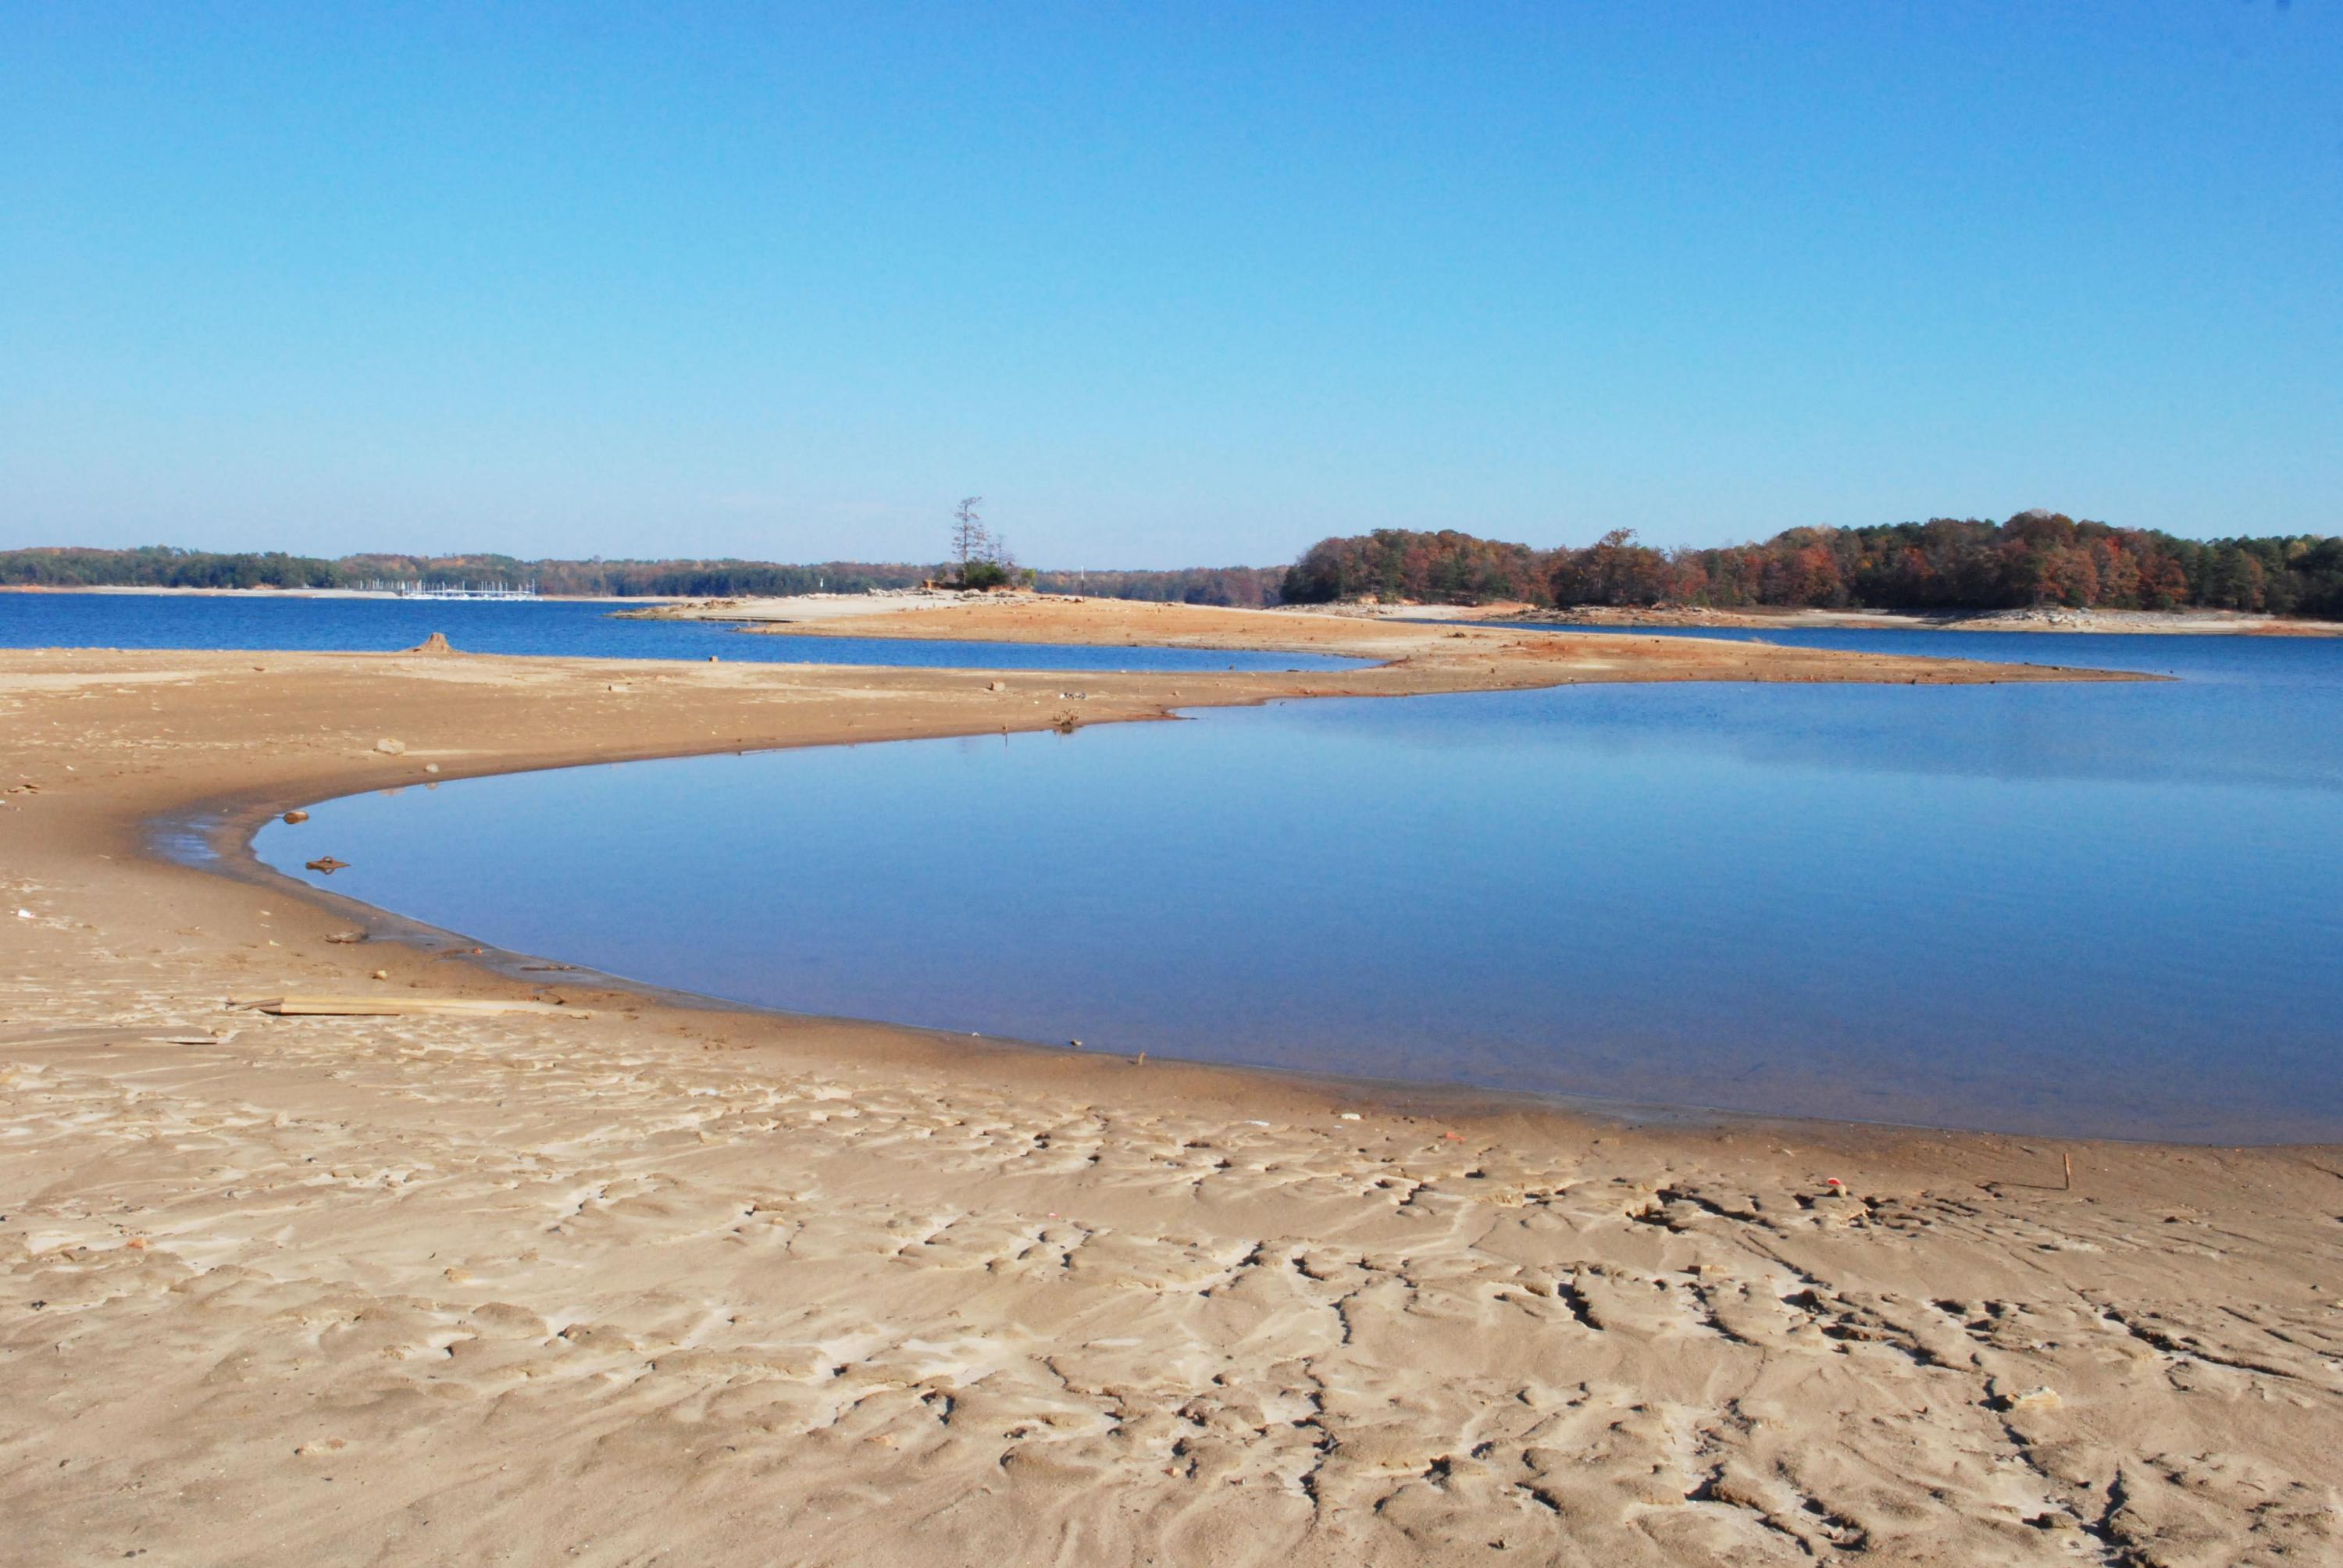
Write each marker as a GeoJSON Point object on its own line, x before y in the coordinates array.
{"type": "Point", "coordinates": [401, 1006]}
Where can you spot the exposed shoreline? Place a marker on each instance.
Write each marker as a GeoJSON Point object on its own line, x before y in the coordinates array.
{"type": "Point", "coordinates": [825, 607]}
{"type": "Point", "coordinates": [783, 614]}
{"type": "Point", "coordinates": [2073, 622]}
{"type": "Point", "coordinates": [1177, 1307]}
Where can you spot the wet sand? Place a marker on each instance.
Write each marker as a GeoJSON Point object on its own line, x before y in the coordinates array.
{"type": "Point", "coordinates": [675, 1282]}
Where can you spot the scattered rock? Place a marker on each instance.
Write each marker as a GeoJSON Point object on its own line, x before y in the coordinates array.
{"type": "Point", "coordinates": [346, 937]}
{"type": "Point", "coordinates": [2031, 1399]}
{"type": "Point", "coordinates": [997, 686]}
{"type": "Point", "coordinates": [390, 747]}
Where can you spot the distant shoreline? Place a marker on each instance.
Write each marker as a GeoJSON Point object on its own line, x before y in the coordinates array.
{"type": "Point", "coordinates": [780, 613]}
{"type": "Point", "coordinates": [151, 590]}
{"type": "Point", "coordinates": [781, 608]}
{"type": "Point", "coordinates": [2100, 622]}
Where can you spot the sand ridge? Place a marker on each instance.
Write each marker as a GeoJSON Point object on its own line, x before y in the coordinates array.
{"type": "Point", "coordinates": [686, 1282]}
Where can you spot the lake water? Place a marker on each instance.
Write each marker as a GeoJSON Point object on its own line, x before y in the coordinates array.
{"type": "Point", "coordinates": [2103, 910]}
{"type": "Point", "coordinates": [571, 627]}
{"type": "Point", "coordinates": [2256, 660]}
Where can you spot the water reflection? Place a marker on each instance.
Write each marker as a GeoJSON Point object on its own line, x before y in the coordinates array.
{"type": "Point", "coordinates": [2091, 909]}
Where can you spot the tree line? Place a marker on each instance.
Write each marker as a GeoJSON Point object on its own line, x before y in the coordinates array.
{"type": "Point", "coordinates": [2034, 558]}
{"type": "Point", "coordinates": [163, 565]}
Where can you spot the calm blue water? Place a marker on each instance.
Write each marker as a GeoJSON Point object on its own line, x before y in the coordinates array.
{"type": "Point", "coordinates": [2104, 910]}
{"type": "Point", "coordinates": [2255, 659]}
{"type": "Point", "coordinates": [568, 626]}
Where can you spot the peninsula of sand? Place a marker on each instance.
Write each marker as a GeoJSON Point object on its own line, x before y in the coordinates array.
{"type": "Point", "coordinates": [622, 1278]}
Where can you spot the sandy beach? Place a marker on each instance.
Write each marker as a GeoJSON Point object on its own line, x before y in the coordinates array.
{"type": "Point", "coordinates": [663, 1281]}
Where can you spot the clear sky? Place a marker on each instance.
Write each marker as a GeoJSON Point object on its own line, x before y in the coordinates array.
{"type": "Point", "coordinates": [1170, 284]}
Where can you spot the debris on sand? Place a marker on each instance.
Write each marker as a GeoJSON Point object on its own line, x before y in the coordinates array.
{"type": "Point", "coordinates": [402, 1005]}
{"type": "Point", "coordinates": [2003, 1397]}
{"type": "Point", "coordinates": [436, 643]}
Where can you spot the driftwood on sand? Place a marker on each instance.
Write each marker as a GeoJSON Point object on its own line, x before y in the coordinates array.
{"type": "Point", "coordinates": [403, 1005]}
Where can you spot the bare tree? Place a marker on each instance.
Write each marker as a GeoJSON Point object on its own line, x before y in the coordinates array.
{"type": "Point", "coordinates": [970, 542]}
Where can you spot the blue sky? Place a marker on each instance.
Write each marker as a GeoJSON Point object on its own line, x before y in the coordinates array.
{"type": "Point", "coordinates": [1169, 285]}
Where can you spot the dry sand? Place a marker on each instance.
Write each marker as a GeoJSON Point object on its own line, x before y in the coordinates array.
{"type": "Point", "coordinates": [685, 1285]}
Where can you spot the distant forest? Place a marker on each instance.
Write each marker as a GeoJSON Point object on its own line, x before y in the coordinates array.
{"type": "Point", "coordinates": [162, 566]}
{"type": "Point", "coordinates": [2034, 558]}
